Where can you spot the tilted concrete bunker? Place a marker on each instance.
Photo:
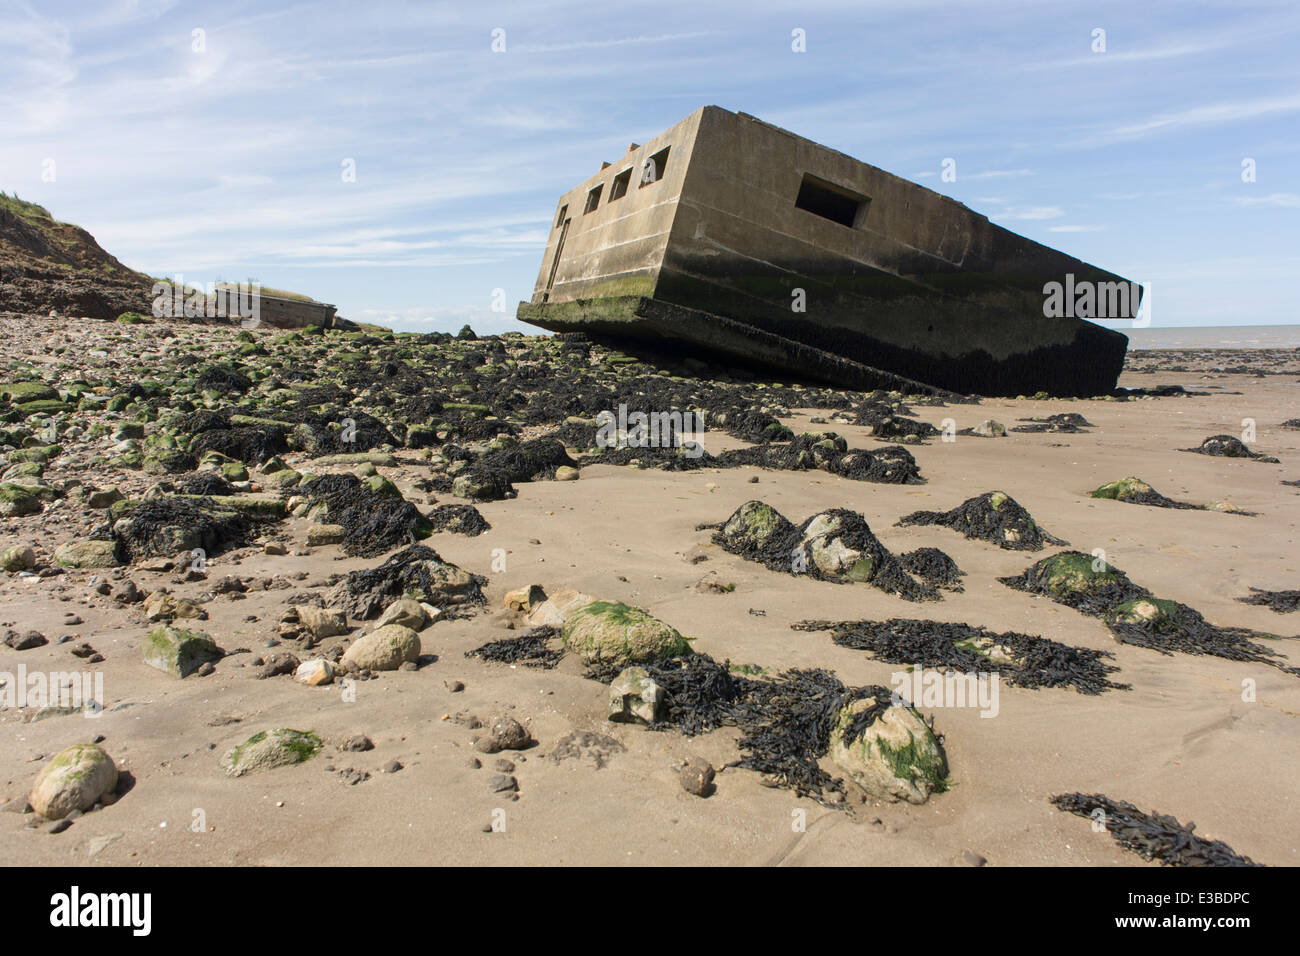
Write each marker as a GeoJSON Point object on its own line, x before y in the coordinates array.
{"type": "Point", "coordinates": [727, 234]}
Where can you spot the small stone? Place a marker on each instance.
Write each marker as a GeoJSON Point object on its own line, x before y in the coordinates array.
{"type": "Point", "coordinates": [18, 558]}
{"type": "Point", "coordinates": [392, 766]}
{"type": "Point", "coordinates": [524, 599]}
{"type": "Point", "coordinates": [314, 673]}
{"type": "Point", "coordinates": [697, 777]}
{"type": "Point", "coordinates": [634, 698]}
{"type": "Point", "coordinates": [970, 858]}
{"type": "Point", "coordinates": [566, 473]}
{"type": "Point", "coordinates": [508, 734]}
{"type": "Point", "coordinates": [277, 665]}
{"type": "Point", "coordinates": [503, 783]}
{"type": "Point", "coordinates": [25, 641]}
{"type": "Point", "coordinates": [325, 534]}
{"type": "Point", "coordinates": [322, 622]}
{"type": "Point", "coordinates": [357, 743]}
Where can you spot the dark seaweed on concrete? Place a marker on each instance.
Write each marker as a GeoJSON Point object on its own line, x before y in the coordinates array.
{"type": "Point", "coordinates": [1066, 422]}
{"type": "Point", "coordinates": [1283, 602]}
{"type": "Point", "coordinates": [458, 519]}
{"type": "Point", "coordinates": [1229, 446]}
{"type": "Point", "coordinates": [992, 516]}
{"type": "Point", "coordinates": [1152, 836]}
{"type": "Point", "coordinates": [1034, 661]}
{"type": "Point", "coordinates": [933, 567]}
{"type": "Point", "coordinates": [373, 523]}
{"type": "Point", "coordinates": [534, 648]}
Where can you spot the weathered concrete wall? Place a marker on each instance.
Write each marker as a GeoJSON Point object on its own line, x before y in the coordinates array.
{"type": "Point", "coordinates": [916, 283]}
{"type": "Point", "coordinates": [295, 314]}
{"type": "Point", "coordinates": [618, 247]}
{"type": "Point", "coordinates": [278, 312]}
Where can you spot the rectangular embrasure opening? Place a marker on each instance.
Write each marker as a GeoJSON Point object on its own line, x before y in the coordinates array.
{"type": "Point", "coordinates": [593, 199]}
{"type": "Point", "coordinates": [618, 189]}
{"type": "Point", "coordinates": [832, 202]}
{"type": "Point", "coordinates": [653, 171]}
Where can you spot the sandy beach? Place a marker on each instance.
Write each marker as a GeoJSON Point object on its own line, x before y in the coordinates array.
{"type": "Point", "coordinates": [1182, 741]}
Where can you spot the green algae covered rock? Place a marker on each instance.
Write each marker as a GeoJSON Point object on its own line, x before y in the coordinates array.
{"type": "Point", "coordinates": [74, 779]}
{"type": "Point", "coordinates": [896, 758]}
{"type": "Point", "coordinates": [178, 652]}
{"type": "Point", "coordinates": [88, 554]}
{"type": "Point", "coordinates": [269, 749]}
{"type": "Point", "coordinates": [21, 393]}
{"type": "Point", "coordinates": [1125, 489]}
{"type": "Point", "coordinates": [17, 500]}
{"type": "Point", "coordinates": [755, 525]}
{"type": "Point", "coordinates": [617, 634]}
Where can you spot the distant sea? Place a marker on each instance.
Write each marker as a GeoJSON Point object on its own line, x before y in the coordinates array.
{"type": "Point", "coordinates": [1215, 337]}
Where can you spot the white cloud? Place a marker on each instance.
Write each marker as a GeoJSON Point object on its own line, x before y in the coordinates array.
{"type": "Point", "coordinates": [1283, 200]}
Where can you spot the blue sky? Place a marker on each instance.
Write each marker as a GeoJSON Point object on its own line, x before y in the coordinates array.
{"type": "Point", "coordinates": [227, 162]}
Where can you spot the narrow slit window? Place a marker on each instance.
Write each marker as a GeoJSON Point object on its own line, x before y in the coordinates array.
{"type": "Point", "coordinates": [559, 220]}
{"type": "Point", "coordinates": [618, 189]}
{"type": "Point", "coordinates": [593, 199]}
{"type": "Point", "coordinates": [832, 202]}
{"type": "Point", "coordinates": [654, 167]}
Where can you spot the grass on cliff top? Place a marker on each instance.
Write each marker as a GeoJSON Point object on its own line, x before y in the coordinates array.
{"type": "Point", "coordinates": [21, 207]}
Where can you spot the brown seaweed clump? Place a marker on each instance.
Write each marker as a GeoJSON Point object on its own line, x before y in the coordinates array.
{"type": "Point", "coordinates": [373, 522]}
{"type": "Point", "coordinates": [458, 519]}
{"type": "Point", "coordinates": [1025, 660]}
{"type": "Point", "coordinates": [167, 526]}
{"type": "Point", "coordinates": [1281, 602]}
{"type": "Point", "coordinates": [1134, 615]}
{"type": "Point", "coordinates": [835, 545]}
{"type": "Point", "coordinates": [417, 572]}
{"type": "Point", "coordinates": [1068, 423]}
{"type": "Point", "coordinates": [1229, 446]}
{"type": "Point", "coordinates": [538, 647]}
{"type": "Point", "coordinates": [1152, 836]}
{"type": "Point", "coordinates": [993, 516]}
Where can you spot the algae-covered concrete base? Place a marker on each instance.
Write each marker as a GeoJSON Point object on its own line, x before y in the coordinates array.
{"type": "Point", "coordinates": [730, 235]}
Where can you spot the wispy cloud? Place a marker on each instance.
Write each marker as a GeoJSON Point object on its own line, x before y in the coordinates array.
{"type": "Point", "coordinates": [1282, 200]}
